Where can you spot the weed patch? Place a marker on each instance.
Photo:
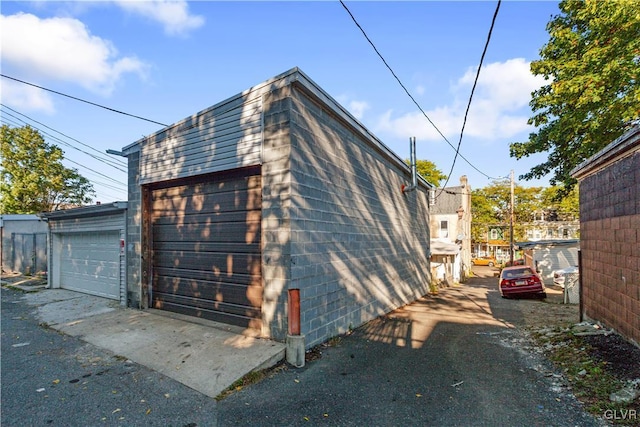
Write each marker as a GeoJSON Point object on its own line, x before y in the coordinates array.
{"type": "Point", "coordinates": [589, 377]}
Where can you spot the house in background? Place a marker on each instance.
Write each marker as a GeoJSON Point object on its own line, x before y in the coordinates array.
{"type": "Point", "coordinates": [23, 244]}
{"type": "Point", "coordinates": [450, 226]}
{"type": "Point", "coordinates": [610, 235]}
{"type": "Point", "coordinates": [546, 256]}
{"type": "Point", "coordinates": [495, 244]}
{"type": "Point", "coordinates": [445, 263]}
{"type": "Point", "coordinates": [276, 191]}
{"type": "Point", "coordinates": [547, 225]}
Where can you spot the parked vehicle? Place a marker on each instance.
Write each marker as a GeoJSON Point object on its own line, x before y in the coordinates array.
{"type": "Point", "coordinates": [484, 260]}
{"type": "Point", "coordinates": [515, 262]}
{"type": "Point", "coordinates": [520, 281]}
{"type": "Point", "coordinates": [560, 275]}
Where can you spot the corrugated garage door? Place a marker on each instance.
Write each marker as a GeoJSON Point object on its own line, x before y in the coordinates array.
{"type": "Point", "coordinates": [206, 257]}
{"type": "Point", "coordinates": [90, 263]}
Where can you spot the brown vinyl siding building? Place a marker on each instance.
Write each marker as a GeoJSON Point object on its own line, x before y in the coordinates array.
{"type": "Point", "coordinates": [610, 234]}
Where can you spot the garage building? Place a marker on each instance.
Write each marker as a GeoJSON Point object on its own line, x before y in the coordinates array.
{"type": "Point", "coordinates": [86, 250]}
{"type": "Point", "coordinates": [276, 189]}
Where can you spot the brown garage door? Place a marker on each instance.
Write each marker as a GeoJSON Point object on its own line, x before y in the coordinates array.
{"type": "Point", "coordinates": [206, 249]}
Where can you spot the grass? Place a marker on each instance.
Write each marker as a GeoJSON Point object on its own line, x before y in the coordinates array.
{"type": "Point", "coordinates": [252, 377]}
{"type": "Point", "coordinates": [588, 378]}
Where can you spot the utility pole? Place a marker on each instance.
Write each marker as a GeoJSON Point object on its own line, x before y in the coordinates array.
{"type": "Point", "coordinates": [511, 223]}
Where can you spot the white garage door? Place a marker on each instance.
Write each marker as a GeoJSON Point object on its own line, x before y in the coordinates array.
{"type": "Point", "coordinates": [90, 263]}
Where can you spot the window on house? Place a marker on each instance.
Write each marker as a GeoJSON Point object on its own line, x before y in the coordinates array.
{"type": "Point", "coordinates": [494, 234]}
{"type": "Point", "coordinates": [549, 233]}
{"type": "Point", "coordinates": [444, 229]}
{"type": "Point", "coordinates": [537, 234]}
{"type": "Point", "coordinates": [565, 233]}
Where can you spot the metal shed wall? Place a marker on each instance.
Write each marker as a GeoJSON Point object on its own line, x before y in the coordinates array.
{"type": "Point", "coordinates": [549, 258]}
{"type": "Point", "coordinates": [23, 243]}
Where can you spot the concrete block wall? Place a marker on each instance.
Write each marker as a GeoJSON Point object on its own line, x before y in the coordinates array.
{"type": "Point", "coordinates": [134, 231]}
{"type": "Point", "coordinates": [276, 203]}
{"type": "Point", "coordinates": [359, 246]}
{"type": "Point", "coordinates": [610, 244]}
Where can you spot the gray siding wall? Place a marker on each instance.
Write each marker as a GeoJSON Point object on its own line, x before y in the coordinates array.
{"type": "Point", "coordinates": [226, 136]}
{"type": "Point", "coordinates": [134, 232]}
{"type": "Point", "coordinates": [17, 246]}
{"type": "Point", "coordinates": [359, 246]}
{"type": "Point", "coordinates": [82, 225]}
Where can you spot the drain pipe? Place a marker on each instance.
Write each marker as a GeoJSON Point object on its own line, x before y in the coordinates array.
{"type": "Point", "coordinates": [295, 340]}
{"type": "Point", "coordinates": [414, 172]}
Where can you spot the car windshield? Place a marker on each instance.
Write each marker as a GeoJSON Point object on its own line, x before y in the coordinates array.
{"type": "Point", "coordinates": [517, 272]}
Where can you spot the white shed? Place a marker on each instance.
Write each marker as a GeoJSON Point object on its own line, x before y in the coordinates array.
{"type": "Point", "coordinates": [546, 256]}
{"type": "Point", "coordinates": [87, 250]}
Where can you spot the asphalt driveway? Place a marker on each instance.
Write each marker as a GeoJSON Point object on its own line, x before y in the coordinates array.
{"type": "Point", "coordinates": [452, 359]}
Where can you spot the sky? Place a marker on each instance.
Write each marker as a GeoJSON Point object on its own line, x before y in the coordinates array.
{"type": "Point", "coordinates": [164, 61]}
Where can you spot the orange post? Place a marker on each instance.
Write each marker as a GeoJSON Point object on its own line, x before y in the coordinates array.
{"type": "Point", "coordinates": [294, 311]}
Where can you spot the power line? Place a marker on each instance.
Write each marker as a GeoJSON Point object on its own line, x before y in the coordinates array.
{"type": "Point", "coordinates": [121, 162]}
{"type": "Point", "coordinates": [88, 169]}
{"type": "Point", "coordinates": [83, 100]}
{"type": "Point", "coordinates": [475, 83]}
{"type": "Point", "coordinates": [108, 161]}
{"type": "Point", "coordinates": [123, 186]}
{"type": "Point", "coordinates": [407, 91]}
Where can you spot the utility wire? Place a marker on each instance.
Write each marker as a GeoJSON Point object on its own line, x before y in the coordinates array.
{"type": "Point", "coordinates": [122, 185]}
{"type": "Point", "coordinates": [88, 169]}
{"type": "Point", "coordinates": [407, 91]}
{"type": "Point", "coordinates": [108, 162]}
{"type": "Point", "coordinates": [120, 162]}
{"type": "Point", "coordinates": [82, 100]}
{"type": "Point", "coordinates": [475, 83]}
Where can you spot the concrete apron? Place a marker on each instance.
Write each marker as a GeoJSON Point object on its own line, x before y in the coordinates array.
{"type": "Point", "coordinates": [206, 356]}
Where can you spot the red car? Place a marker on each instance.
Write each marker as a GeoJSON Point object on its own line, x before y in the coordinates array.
{"type": "Point", "coordinates": [521, 280]}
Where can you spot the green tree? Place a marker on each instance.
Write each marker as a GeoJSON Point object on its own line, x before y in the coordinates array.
{"type": "Point", "coordinates": [429, 171]}
{"type": "Point", "coordinates": [33, 176]}
{"type": "Point", "coordinates": [491, 206]}
{"type": "Point", "coordinates": [592, 64]}
{"type": "Point", "coordinates": [567, 207]}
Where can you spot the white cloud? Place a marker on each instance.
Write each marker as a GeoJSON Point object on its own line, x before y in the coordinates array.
{"type": "Point", "coordinates": [173, 15]}
{"type": "Point", "coordinates": [357, 108]}
{"type": "Point", "coordinates": [502, 92]}
{"type": "Point", "coordinates": [507, 84]}
{"type": "Point", "coordinates": [63, 49]}
{"type": "Point", "coordinates": [25, 98]}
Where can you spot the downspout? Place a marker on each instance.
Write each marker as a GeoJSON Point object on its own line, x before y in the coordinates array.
{"type": "Point", "coordinates": [412, 161]}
